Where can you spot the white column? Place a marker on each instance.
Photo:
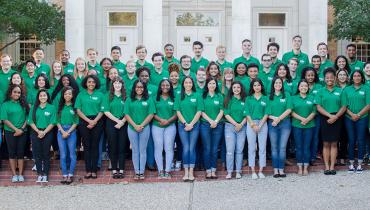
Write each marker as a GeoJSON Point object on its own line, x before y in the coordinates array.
{"type": "Point", "coordinates": [317, 24]}
{"type": "Point", "coordinates": [75, 28]}
{"type": "Point", "coordinates": [152, 26]}
{"type": "Point", "coordinates": [241, 25]}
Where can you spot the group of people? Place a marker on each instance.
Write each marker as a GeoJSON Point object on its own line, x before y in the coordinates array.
{"type": "Point", "coordinates": [192, 106]}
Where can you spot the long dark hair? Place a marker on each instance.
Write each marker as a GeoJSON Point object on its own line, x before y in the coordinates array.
{"type": "Point", "coordinates": [251, 90]}
{"type": "Point", "coordinates": [362, 77]}
{"type": "Point", "coordinates": [23, 85]}
{"type": "Point", "coordinates": [288, 76]}
{"type": "Point", "coordinates": [123, 89]}
{"type": "Point", "coordinates": [230, 94]}
{"type": "Point", "coordinates": [59, 87]}
{"type": "Point", "coordinates": [63, 101]}
{"type": "Point", "coordinates": [47, 84]}
{"type": "Point", "coordinates": [212, 63]}
{"type": "Point", "coordinates": [133, 91]}
{"type": "Point", "coordinates": [346, 67]}
{"type": "Point", "coordinates": [272, 92]}
{"type": "Point", "coordinates": [108, 82]}
{"type": "Point", "coordinates": [22, 98]}
{"type": "Point", "coordinates": [37, 103]}
{"type": "Point", "coordinates": [183, 88]}
{"type": "Point", "coordinates": [236, 67]}
{"type": "Point", "coordinates": [307, 69]}
{"type": "Point", "coordinates": [206, 90]}
{"type": "Point", "coordinates": [170, 92]}
{"type": "Point", "coordinates": [302, 80]}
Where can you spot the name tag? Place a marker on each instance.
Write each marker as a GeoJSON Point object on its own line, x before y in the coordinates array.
{"type": "Point", "coordinates": [282, 100]}
{"type": "Point", "coordinates": [336, 93]}
{"type": "Point", "coordinates": [193, 100]}
{"type": "Point", "coordinates": [144, 103]}
{"type": "Point", "coordinates": [309, 102]}
{"type": "Point", "coordinates": [47, 113]}
{"type": "Point", "coordinates": [94, 98]}
{"type": "Point", "coordinates": [170, 103]}
{"type": "Point", "coordinates": [361, 92]}
{"type": "Point", "coordinates": [216, 102]}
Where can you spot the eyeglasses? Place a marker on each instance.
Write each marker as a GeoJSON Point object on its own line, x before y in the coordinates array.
{"type": "Point", "coordinates": [267, 60]}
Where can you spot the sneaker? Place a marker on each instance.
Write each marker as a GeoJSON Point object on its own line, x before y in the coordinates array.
{"type": "Point", "coordinates": [228, 176]}
{"type": "Point", "coordinates": [351, 169]}
{"type": "Point", "coordinates": [167, 175]}
{"type": "Point", "coordinates": [238, 175]}
{"type": "Point", "coordinates": [359, 169]}
{"type": "Point", "coordinates": [14, 178]}
{"type": "Point", "coordinates": [34, 168]}
{"type": "Point", "coordinates": [254, 176]}
{"type": "Point", "coordinates": [39, 179]}
{"type": "Point", "coordinates": [261, 175]}
{"type": "Point", "coordinates": [141, 176]}
{"type": "Point", "coordinates": [161, 175]}
{"type": "Point", "coordinates": [45, 179]}
{"type": "Point", "coordinates": [20, 178]}
{"type": "Point", "coordinates": [178, 166]}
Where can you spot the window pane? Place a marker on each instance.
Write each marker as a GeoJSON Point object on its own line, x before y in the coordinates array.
{"type": "Point", "coordinates": [271, 19]}
{"type": "Point", "coordinates": [197, 19]}
{"type": "Point", "coordinates": [122, 18]}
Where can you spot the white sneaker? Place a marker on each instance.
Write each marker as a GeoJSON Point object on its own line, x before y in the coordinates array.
{"type": "Point", "coordinates": [34, 167]}
{"type": "Point", "coordinates": [15, 179]}
{"type": "Point", "coordinates": [261, 175]}
{"type": "Point", "coordinates": [254, 176]}
{"type": "Point", "coordinates": [359, 169]}
{"type": "Point", "coordinates": [20, 178]}
{"type": "Point", "coordinates": [45, 179]}
{"type": "Point", "coordinates": [238, 176]}
{"type": "Point", "coordinates": [39, 179]}
{"type": "Point", "coordinates": [228, 176]}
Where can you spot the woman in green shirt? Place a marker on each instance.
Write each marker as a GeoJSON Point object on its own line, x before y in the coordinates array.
{"type": "Point", "coordinates": [80, 71]}
{"type": "Point", "coordinates": [282, 71]}
{"type": "Point", "coordinates": [235, 128]}
{"type": "Point", "coordinates": [240, 72]}
{"type": "Point", "coordinates": [189, 107]}
{"type": "Point", "coordinates": [139, 111]}
{"type": "Point", "coordinates": [303, 113]}
{"type": "Point", "coordinates": [55, 74]}
{"type": "Point", "coordinates": [227, 80]}
{"type": "Point", "coordinates": [41, 83]}
{"type": "Point", "coordinates": [329, 103]}
{"type": "Point", "coordinates": [279, 107]}
{"type": "Point", "coordinates": [65, 81]}
{"type": "Point", "coordinates": [13, 114]}
{"type": "Point", "coordinates": [88, 105]}
{"type": "Point", "coordinates": [164, 127]}
{"type": "Point", "coordinates": [212, 125]}
{"type": "Point", "coordinates": [116, 126]}
{"type": "Point", "coordinates": [357, 101]}
{"type": "Point", "coordinates": [42, 119]}
{"type": "Point", "coordinates": [67, 121]}
{"type": "Point", "coordinates": [255, 109]}
{"type": "Point", "coordinates": [106, 64]}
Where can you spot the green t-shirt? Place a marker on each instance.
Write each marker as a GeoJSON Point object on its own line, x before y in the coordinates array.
{"type": "Point", "coordinates": [44, 116]}
{"type": "Point", "coordinates": [246, 82]}
{"type": "Point", "coordinates": [326, 64]}
{"type": "Point", "coordinates": [89, 104]}
{"type": "Point", "coordinates": [356, 99]}
{"type": "Point", "coordinates": [315, 89]}
{"type": "Point", "coordinates": [266, 78]}
{"type": "Point", "coordinates": [225, 64]}
{"type": "Point", "coordinates": [139, 109]}
{"type": "Point", "coordinates": [164, 108]}
{"type": "Point", "coordinates": [201, 63]}
{"type": "Point", "coordinates": [236, 109]}
{"type": "Point", "coordinates": [128, 83]}
{"type": "Point", "coordinates": [67, 116]}
{"type": "Point", "coordinates": [4, 82]}
{"type": "Point", "coordinates": [248, 61]}
{"type": "Point", "coordinates": [256, 108]}
{"type": "Point", "coordinates": [199, 89]}
{"type": "Point", "coordinates": [330, 100]}
{"type": "Point", "coordinates": [302, 57]}
{"type": "Point", "coordinates": [356, 65]}
{"type": "Point", "coordinates": [275, 64]}
{"type": "Point", "coordinates": [167, 62]}
{"type": "Point", "coordinates": [115, 105]}
{"type": "Point", "coordinates": [69, 69]}
{"type": "Point", "coordinates": [156, 78]}
{"type": "Point", "coordinates": [189, 106]}
{"type": "Point", "coordinates": [146, 64]}
{"type": "Point", "coordinates": [213, 105]}
{"type": "Point", "coordinates": [13, 112]}
{"type": "Point", "coordinates": [278, 105]}
{"type": "Point", "coordinates": [182, 77]}
{"type": "Point", "coordinates": [43, 68]}
{"type": "Point", "coordinates": [99, 70]}
{"type": "Point", "coordinates": [121, 68]}
{"type": "Point", "coordinates": [303, 107]}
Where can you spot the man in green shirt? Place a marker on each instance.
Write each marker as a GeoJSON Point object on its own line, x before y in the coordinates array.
{"type": "Point", "coordinates": [354, 64]}
{"type": "Point", "coordinates": [185, 62]}
{"type": "Point", "coordinates": [267, 73]}
{"type": "Point", "coordinates": [322, 51]}
{"type": "Point", "coordinates": [116, 53]}
{"type": "Point", "coordinates": [198, 61]}
{"type": "Point", "coordinates": [221, 61]}
{"type": "Point", "coordinates": [316, 63]}
{"type": "Point", "coordinates": [169, 58]}
{"type": "Point", "coordinates": [92, 63]}
{"type": "Point", "coordinates": [273, 49]}
{"type": "Point", "coordinates": [38, 56]}
{"type": "Point", "coordinates": [158, 73]}
{"type": "Point", "coordinates": [293, 66]}
{"type": "Point", "coordinates": [141, 54]}
{"type": "Point", "coordinates": [6, 72]}
{"type": "Point", "coordinates": [246, 57]}
{"type": "Point", "coordinates": [297, 53]}
{"type": "Point", "coordinates": [201, 81]}
{"type": "Point", "coordinates": [67, 66]}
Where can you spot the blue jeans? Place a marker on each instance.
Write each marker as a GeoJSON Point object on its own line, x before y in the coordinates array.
{"type": "Point", "coordinates": [356, 134]}
{"type": "Point", "coordinates": [316, 138]}
{"type": "Point", "coordinates": [279, 136]}
{"type": "Point", "coordinates": [150, 161]}
{"type": "Point", "coordinates": [189, 141]}
{"type": "Point", "coordinates": [139, 142]}
{"type": "Point", "coordinates": [211, 139]}
{"type": "Point", "coordinates": [68, 144]}
{"type": "Point", "coordinates": [234, 147]}
{"type": "Point", "coordinates": [303, 138]}
{"type": "Point", "coordinates": [164, 138]}
{"type": "Point", "coordinates": [252, 138]}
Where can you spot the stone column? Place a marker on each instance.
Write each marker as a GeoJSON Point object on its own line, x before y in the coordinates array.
{"type": "Point", "coordinates": [317, 24]}
{"type": "Point", "coordinates": [152, 26]}
{"type": "Point", "coordinates": [75, 28]}
{"type": "Point", "coordinates": [241, 25]}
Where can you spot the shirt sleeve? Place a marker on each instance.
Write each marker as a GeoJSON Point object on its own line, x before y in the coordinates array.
{"type": "Point", "coordinates": [78, 102]}
{"type": "Point", "coordinates": [176, 106]}
{"type": "Point", "coordinates": [200, 105]}
{"type": "Point", "coordinates": [151, 106]}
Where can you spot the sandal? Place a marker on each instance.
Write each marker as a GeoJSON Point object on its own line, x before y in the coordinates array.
{"type": "Point", "coordinates": [94, 176]}
{"type": "Point", "coordinates": [88, 176]}
{"type": "Point", "coordinates": [64, 180]}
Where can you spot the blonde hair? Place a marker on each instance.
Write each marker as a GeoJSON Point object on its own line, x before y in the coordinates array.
{"type": "Point", "coordinates": [52, 74]}
{"type": "Point", "coordinates": [227, 69]}
{"type": "Point", "coordinates": [75, 71]}
{"type": "Point", "coordinates": [220, 47]}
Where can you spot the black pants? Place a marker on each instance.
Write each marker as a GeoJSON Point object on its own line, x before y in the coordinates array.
{"type": "Point", "coordinates": [16, 144]}
{"type": "Point", "coordinates": [41, 152]}
{"type": "Point", "coordinates": [343, 142]}
{"type": "Point", "coordinates": [117, 140]}
{"type": "Point", "coordinates": [90, 141]}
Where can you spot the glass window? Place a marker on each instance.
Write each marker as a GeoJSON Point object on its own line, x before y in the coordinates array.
{"type": "Point", "coordinates": [271, 19]}
{"type": "Point", "coordinates": [197, 19]}
{"type": "Point", "coordinates": [26, 47]}
{"type": "Point", "coordinates": [122, 18]}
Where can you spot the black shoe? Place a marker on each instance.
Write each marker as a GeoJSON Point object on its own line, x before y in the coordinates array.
{"type": "Point", "coordinates": [327, 172]}
{"type": "Point", "coordinates": [282, 175]}
{"type": "Point", "coordinates": [88, 176]}
{"type": "Point", "coordinates": [276, 175]}
{"type": "Point", "coordinates": [94, 176]}
{"type": "Point", "coordinates": [333, 172]}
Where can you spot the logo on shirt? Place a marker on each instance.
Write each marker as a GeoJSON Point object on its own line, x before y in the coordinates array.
{"type": "Point", "coordinates": [242, 103]}
{"type": "Point", "coordinates": [150, 92]}
{"type": "Point", "coordinates": [301, 61]}
{"type": "Point", "coordinates": [314, 91]}
{"type": "Point", "coordinates": [71, 111]}
{"type": "Point", "coordinates": [336, 93]}
{"type": "Point", "coordinates": [270, 78]}
{"type": "Point", "coordinates": [144, 103]}
{"type": "Point", "coordinates": [193, 100]}
{"type": "Point", "coordinates": [290, 84]}
{"type": "Point", "coordinates": [309, 102]}
{"type": "Point", "coordinates": [47, 113]}
{"type": "Point", "coordinates": [216, 102]}
{"type": "Point", "coordinates": [263, 103]}
{"type": "Point", "coordinates": [361, 92]}
{"type": "Point", "coordinates": [170, 103]}
{"type": "Point", "coordinates": [94, 98]}
{"type": "Point", "coordinates": [282, 100]}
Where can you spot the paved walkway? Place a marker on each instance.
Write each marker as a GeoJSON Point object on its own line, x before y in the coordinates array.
{"type": "Point", "coordinates": [316, 191]}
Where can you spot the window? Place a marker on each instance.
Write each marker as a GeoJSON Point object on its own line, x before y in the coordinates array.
{"type": "Point", "coordinates": [363, 51]}
{"type": "Point", "coordinates": [122, 18]}
{"type": "Point", "coordinates": [198, 19]}
{"type": "Point", "coordinates": [26, 47]}
{"type": "Point", "coordinates": [271, 19]}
